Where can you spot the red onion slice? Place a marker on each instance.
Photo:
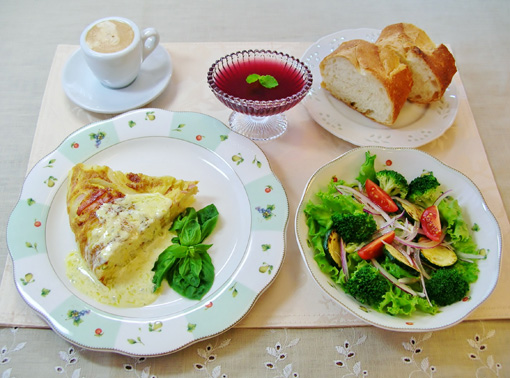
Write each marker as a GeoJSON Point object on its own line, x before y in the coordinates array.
{"type": "Point", "coordinates": [343, 259]}
{"type": "Point", "coordinates": [441, 197]}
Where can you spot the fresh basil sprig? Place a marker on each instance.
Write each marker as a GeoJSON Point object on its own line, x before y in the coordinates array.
{"type": "Point", "coordinates": [186, 264]}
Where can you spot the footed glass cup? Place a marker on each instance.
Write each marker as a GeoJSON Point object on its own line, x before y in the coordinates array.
{"type": "Point", "coordinates": [258, 112]}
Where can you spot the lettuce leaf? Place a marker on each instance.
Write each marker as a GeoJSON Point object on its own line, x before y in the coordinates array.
{"type": "Point", "coordinates": [367, 169]}
{"type": "Point", "coordinates": [397, 302]}
{"type": "Point", "coordinates": [457, 228]}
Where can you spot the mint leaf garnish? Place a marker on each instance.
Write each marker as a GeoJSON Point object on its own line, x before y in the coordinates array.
{"type": "Point", "coordinates": [252, 78]}
{"type": "Point", "coordinates": [267, 81]}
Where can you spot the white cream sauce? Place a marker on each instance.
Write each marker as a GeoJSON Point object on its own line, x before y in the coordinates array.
{"type": "Point", "coordinates": [132, 288]}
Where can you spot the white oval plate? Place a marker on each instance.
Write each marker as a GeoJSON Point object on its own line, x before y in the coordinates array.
{"type": "Point", "coordinates": [248, 243]}
{"type": "Point", "coordinates": [410, 163]}
{"type": "Point", "coordinates": [416, 124]}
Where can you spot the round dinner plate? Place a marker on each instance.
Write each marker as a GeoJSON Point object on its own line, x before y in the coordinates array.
{"type": "Point", "coordinates": [248, 244]}
{"type": "Point", "coordinates": [410, 163]}
{"type": "Point", "coordinates": [416, 125]}
{"type": "Point", "coordinates": [82, 87]}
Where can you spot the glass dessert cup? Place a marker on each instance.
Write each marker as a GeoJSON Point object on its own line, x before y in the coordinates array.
{"type": "Point", "coordinates": [258, 112]}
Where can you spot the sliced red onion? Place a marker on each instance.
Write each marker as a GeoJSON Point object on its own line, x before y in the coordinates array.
{"type": "Point", "coordinates": [422, 279]}
{"type": "Point", "coordinates": [371, 212]}
{"type": "Point", "coordinates": [364, 200]}
{"type": "Point", "coordinates": [389, 223]}
{"type": "Point", "coordinates": [414, 231]}
{"type": "Point", "coordinates": [419, 265]}
{"type": "Point", "coordinates": [343, 259]}
{"type": "Point", "coordinates": [410, 232]}
{"type": "Point", "coordinates": [424, 245]}
{"type": "Point", "coordinates": [441, 197]}
{"type": "Point", "coordinates": [392, 279]}
{"type": "Point", "coordinates": [408, 280]}
{"type": "Point", "coordinates": [470, 256]}
{"type": "Point", "coordinates": [423, 274]}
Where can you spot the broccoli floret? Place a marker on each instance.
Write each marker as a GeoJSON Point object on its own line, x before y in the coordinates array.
{"type": "Point", "coordinates": [424, 190]}
{"type": "Point", "coordinates": [446, 286]}
{"type": "Point", "coordinates": [354, 228]}
{"type": "Point", "coordinates": [367, 285]}
{"type": "Point", "coordinates": [392, 182]}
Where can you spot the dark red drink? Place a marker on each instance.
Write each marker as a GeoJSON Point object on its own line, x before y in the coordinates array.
{"type": "Point", "coordinates": [231, 79]}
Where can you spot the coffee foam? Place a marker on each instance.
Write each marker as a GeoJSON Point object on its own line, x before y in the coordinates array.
{"type": "Point", "coordinates": [109, 36]}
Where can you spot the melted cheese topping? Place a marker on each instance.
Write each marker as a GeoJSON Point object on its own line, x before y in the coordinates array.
{"type": "Point", "coordinates": [125, 225]}
{"type": "Point", "coordinates": [132, 288]}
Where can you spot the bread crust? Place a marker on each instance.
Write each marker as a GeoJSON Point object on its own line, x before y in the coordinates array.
{"type": "Point", "coordinates": [412, 43]}
{"type": "Point", "coordinates": [383, 64]}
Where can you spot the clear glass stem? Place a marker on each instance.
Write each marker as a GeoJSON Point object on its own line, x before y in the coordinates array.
{"type": "Point", "coordinates": [258, 128]}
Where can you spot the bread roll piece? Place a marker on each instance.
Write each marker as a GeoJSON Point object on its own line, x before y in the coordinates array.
{"type": "Point", "coordinates": [371, 80]}
{"type": "Point", "coordinates": [432, 66]}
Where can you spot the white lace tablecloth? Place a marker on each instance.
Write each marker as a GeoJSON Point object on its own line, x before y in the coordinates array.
{"type": "Point", "coordinates": [271, 334]}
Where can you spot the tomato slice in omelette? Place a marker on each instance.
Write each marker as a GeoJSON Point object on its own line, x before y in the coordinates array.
{"type": "Point", "coordinates": [112, 213]}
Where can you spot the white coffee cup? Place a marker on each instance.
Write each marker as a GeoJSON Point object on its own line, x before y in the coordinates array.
{"type": "Point", "coordinates": [115, 49]}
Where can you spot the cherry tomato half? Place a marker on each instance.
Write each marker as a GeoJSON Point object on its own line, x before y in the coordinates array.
{"type": "Point", "coordinates": [380, 197]}
{"type": "Point", "coordinates": [374, 249]}
{"type": "Point", "coordinates": [431, 223]}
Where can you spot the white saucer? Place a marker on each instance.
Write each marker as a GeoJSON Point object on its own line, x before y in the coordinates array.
{"type": "Point", "coordinates": [82, 87]}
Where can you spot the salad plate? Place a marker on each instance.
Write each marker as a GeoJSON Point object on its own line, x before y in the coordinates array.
{"type": "Point", "coordinates": [410, 163]}
{"type": "Point", "coordinates": [82, 87]}
{"type": "Point", "coordinates": [248, 242]}
{"type": "Point", "coordinates": [417, 124]}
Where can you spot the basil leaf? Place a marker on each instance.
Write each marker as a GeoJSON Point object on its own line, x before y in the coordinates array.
{"type": "Point", "coordinates": [161, 271]}
{"type": "Point", "coordinates": [181, 220]}
{"type": "Point", "coordinates": [207, 218]}
{"type": "Point", "coordinates": [207, 273]}
{"type": "Point", "coordinates": [186, 265]}
{"type": "Point", "coordinates": [201, 248]}
{"type": "Point", "coordinates": [190, 286]}
{"type": "Point", "coordinates": [166, 260]}
{"type": "Point", "coordinates": [186, 275]}
{"type": "Point", "coordinates": [190, 233]}
{"type": "Point", "coordinates": [195, 264]}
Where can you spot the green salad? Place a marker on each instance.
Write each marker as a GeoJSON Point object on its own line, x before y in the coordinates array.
{"type": "Point", "coordinates": [395, 245]}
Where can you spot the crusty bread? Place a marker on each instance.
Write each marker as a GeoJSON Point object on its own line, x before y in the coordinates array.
{"type": "Point", "coordinates": [369, 79]}
{"type": "Point", "coordinates": [432, 66]}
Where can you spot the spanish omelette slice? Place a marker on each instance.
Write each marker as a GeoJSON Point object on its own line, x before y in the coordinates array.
{"type": "Point", "coordinates": [113, 214]}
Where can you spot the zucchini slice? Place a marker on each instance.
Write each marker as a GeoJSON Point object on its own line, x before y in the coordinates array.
{"type": "Point", "coordinates": [412, 211]}
{"type": "Point", "coordinates": [439, 256]}
{"type": "Point", "coordinates": [396, 256]}
{"type": "Point", "coordinates": [332, 248]}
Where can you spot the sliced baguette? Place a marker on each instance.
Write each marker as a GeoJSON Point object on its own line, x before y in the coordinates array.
{"type": "Point", "coordinates": [367, 78]}
{"type": "Point", "coordinates": [432, 66]}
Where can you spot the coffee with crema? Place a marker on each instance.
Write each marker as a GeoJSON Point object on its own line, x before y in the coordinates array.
{"type": "Point", "coordinates": [109, 36]}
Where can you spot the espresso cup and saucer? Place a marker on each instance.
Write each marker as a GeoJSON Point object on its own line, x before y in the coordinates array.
{"type": "Point", "coordinates": [117, 68]}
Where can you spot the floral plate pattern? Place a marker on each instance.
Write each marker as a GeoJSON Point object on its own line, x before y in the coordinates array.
{"type": "Point", "coordinates": [249, 242]}
{"type": "Point", "coordinates": [416, 125]}
{"type": "Point", "coordinates": [411, 163]}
